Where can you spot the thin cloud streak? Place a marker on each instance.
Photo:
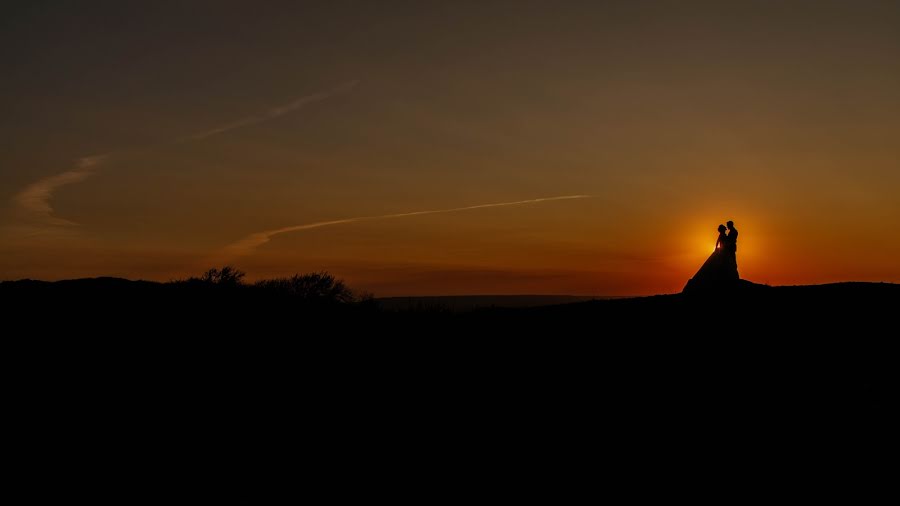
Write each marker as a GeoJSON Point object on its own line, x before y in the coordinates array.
{"type": "Point", "coordinates": [248, 244]}
{"type": "Point", "coordinates": [33, 201]}
{"type": "Point", "coordinates": [272, 113]}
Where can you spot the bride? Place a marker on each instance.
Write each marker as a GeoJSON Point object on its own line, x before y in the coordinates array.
{"type": "Point", "coordinates": [720, 269]}
{"type": "Point", "coordinates": [716, 266]}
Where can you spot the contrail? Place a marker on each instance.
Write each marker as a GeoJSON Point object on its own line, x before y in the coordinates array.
{"type": "Point", "coordinates": [248, 244]}
{"type": "Point", "coordinates": [271, 113]}
{"type": "Point", "coordinates": [34, 199]}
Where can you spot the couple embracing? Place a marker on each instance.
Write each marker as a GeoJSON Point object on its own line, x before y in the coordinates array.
{"type": "Point", "coordinates": [722, 264]}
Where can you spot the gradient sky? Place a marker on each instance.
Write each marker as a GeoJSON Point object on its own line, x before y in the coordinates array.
{"type": "Point", "coordinates": [223, 119]}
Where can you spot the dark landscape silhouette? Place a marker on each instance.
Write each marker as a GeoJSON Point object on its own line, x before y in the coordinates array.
{"type": "Point", "coordinates": [751, 344]}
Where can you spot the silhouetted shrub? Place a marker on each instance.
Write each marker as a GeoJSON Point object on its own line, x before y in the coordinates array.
{"type": "Point", "coordinates": [226, 276]}
{"type": "Point", "coordinates": [315, 287]}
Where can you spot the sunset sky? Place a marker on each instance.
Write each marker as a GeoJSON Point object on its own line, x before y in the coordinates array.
{"type": "Point", "coordinates": [155, 139]}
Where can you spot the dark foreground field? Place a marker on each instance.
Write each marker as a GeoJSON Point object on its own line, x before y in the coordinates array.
{"type": "Point", "coordinates": [749, 344]}
{"type": "Point", "coordinates": [753, 355]}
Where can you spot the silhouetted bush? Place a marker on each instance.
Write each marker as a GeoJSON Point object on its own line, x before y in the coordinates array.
{"type": "Point", "coordinates": [226, 276]}
{"type": "Point", "coordinates": [315, 287]}
{"type": "Point", "coordinates": [226, 284]}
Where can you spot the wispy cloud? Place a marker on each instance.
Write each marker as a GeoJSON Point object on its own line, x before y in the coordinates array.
{"type": "Point", "coordinates": [248, 244]}
{"type": "Point", "coordinates": [34, 199]}
{"type": "Point", "coordinates": [33, 202]}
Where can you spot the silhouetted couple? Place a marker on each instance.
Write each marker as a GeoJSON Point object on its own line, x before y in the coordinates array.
{"type": "Point", "coordinates": [722, 264]}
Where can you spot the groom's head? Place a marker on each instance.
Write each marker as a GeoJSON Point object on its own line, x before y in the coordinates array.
{"type": "Point", "coordinates": [730, 225]}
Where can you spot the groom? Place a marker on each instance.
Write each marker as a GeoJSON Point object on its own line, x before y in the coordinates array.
{"type": "Point", "coordinates": [731, 251]}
